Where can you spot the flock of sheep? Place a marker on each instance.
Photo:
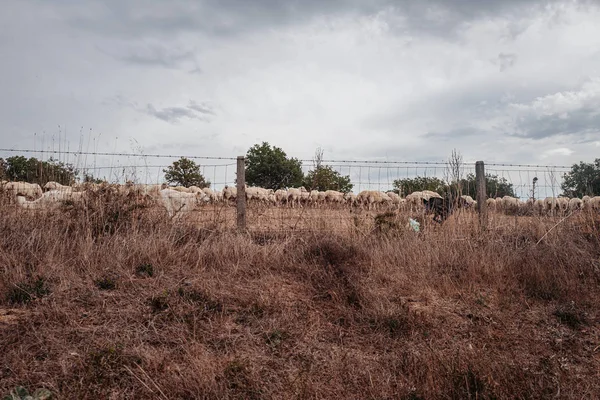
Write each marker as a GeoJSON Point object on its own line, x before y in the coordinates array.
{"type": "Point", "coordinates": [179, 199]}
{"type": "Point", "coordinates": [548, 205]}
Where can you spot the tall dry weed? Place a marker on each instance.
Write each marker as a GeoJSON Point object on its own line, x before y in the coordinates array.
{"type": "Point", "coordinates": [193, 311]}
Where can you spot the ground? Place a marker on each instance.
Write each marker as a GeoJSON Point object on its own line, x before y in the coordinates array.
{"type": "Point", "coordinates": [308, 304]}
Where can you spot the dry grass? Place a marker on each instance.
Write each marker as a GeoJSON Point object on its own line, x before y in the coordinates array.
{"type": "Point", "coordinates": [117, 302]}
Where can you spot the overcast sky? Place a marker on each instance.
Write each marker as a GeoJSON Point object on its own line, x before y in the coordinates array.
{"type": "Point", "coordinates": [507, 81]}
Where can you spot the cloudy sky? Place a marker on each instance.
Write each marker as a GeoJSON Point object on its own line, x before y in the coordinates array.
{"type": "Point", "coordinates": [505, 81]}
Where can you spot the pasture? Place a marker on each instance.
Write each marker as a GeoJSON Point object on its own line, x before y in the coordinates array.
{"type": "Point", "coordinates": [117, 300]}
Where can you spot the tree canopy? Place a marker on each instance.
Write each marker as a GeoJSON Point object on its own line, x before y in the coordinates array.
{"type": "Point", "coordinates": [185, 172]}
{"type": "Point", "coordinates": [495, 186]}
{"type": "Point", "coordinates": [582, 180]}
{"type": "Point", "coordinates": [324, 177]}
{"type": "Point", "coordinates": [269, 167]}
{"type": "Point", "coordinates": [32, 170]}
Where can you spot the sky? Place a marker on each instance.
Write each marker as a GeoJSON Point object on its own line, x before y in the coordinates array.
{"type": "Point", "coordinates": [511, 81]}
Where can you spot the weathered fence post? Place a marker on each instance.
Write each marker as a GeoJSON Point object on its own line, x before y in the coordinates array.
{"type": "Point", "coordinates": [241, 193]}
{"type": "Point", "coordinates": [481, 194]}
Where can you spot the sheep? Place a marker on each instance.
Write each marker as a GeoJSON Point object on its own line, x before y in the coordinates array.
{"type": "Point", "coordinates": [208, 192]}
{"type": "Point", "coordinates": [49, 200]}
{"type": "Point", "coordinates": [181, 189]}
{"type": "Point", "coordinates": [281, 196]}
{"type": "Point", "coordinates": [550, 204]}
{"type": "Point", "coordinates": [510, 203]}
{"type": "Point", "coordinates": [229, 193]}
{"type": "Point", "coordinates": [305, 197]}
{"type": "Point", "coordinates": [178, 203]}
{"type": "Point", "coordinates": [350, 199]}
{"type": "Point", "coordinates": [28, 190]}
{"type": "Point", "coordinates": [575, 204]}
{"type": "Point", "coordinates": [595, 203]}
{"type": "Point", "coordinates": [427, 194]}
{"type": "Point", "coordinates": [257, 193]}
{"type": "Point", "coordinates": [56, 186]}
{"type": "Point", "coordinates": [467, 201]}
{"type": "Point", "coordinates": [562, 204]}
{"type": "Point", "coordinates": [313, 197]}
{"type": "Point", "coordinates": [294, 195]}
{"type": "Point", "coordinates": [334, 197]}
{"type": "Point", "coordinates": [370, 198]}
{"type": "Point", "coordinates": [143, 190]}
{"type": "Point", "coordinates": [395, 198]}
{"type": "Point", "coordinates": [491, 204]}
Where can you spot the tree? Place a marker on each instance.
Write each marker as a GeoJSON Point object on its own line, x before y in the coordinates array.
{"type": "Point", "coordinates": [185, 172]}
{"type": "Point", "coordinates": [582, 180]}
{"type": "Point", "coordinates": [454, 172]}
{"type": "Point", "coordinates": [324, 177]}
{"type": "Point", "coordinates": [32, 170]}
{"type": "Point", "coordinates": [3, 167]}
{"type": "Point", "coordinates": [270, 168]}
{"type": "Point", "coordinates": [495, 186]}
{"type": "Point", "coordinates": [409, 185]}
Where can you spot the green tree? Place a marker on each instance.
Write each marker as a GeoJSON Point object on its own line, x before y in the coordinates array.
{"type": "Point", "coordinates": [185, 172]}
{"type": "Point", "coordinates": [582, 180]}
{"type": "Point", "coordinates": [495, 186]}
{"type": "Point", "coordinates": [324, 177]}
{"type": "Point", "coordinates": [32, 170]}
{"type": "Point", "coordinates": [409, 185]}
{"type": "Point", "coordinates": [270, 168]}
{"type": "Point", "coordinates": [3, 167]}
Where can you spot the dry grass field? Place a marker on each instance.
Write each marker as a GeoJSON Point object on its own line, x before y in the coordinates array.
{"type": "Point", "coordinates": [118, 302]}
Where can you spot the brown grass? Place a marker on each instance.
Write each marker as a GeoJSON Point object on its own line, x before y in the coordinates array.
{"type": "Point", "coordinates": [117, 302]}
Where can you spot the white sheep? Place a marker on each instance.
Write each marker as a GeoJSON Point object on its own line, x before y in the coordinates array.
{"type": "Point", "coordinates": [575, 204]}
{"type": "Point", "coordinates": [350, 198]}
{"type": "Point", "coordinates": [294, 195]}
{"type": "Point", "coordinates": [51, 185]}
{"type": "Point", "coordinates": [28, 190]}
{"type": "Point", "coordinates": [334, 197]}
{"type": "Point", "coordinates": [371, 198]}
{"type": "Point", "coordinates": [229, 193]}
{"type": "Point", "coordinates": [50, 200]}
{"type": "Point", "coordinates": [281, 196]}
{"type": "Point", "coordinates": [178, 203]}
{"type": "Point", "coordinates": [181, 189]}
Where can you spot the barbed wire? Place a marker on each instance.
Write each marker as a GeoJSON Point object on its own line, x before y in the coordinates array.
{"type": "Point", "coordinates": [366, 162]}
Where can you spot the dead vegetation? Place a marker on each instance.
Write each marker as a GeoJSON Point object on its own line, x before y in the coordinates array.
{"type": "Point", "coordinates": [107, 304]}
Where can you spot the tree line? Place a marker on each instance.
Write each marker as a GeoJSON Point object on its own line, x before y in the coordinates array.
{"type": "Point", "coordinates": [270, 167]}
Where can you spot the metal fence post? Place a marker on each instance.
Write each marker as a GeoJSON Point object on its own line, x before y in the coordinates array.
{"type": "Point", "coordinates": [241, 193]}
{"type": "Point", "coordinates": [481, 194]}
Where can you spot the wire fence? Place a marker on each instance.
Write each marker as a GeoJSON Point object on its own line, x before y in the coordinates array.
{"type": "Point", "coordinates": [364, 174]}
{"type": "Point", "coordinates": [539, 181]}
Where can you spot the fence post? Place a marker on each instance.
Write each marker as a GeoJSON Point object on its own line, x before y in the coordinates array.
{"type": "Point", "coordinates": [241, 193]}
{"type": "Point", "coordinates": [481, 194]}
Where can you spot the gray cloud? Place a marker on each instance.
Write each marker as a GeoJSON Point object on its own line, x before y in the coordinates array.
{"type": "Point", "coordinates": [579, 122]}
{"type": "Point", "coordinates": [386, 79]}
{"type": "Point", "coordinates": [233, 17]}
{"type": "Point", "coordinates": [572, 112]}
{"type": "Point", "coordinates": [153, 55]}
{"type": "Point", "coordinates": [506, 61]}
{"type": "Point", "coordinates": [175, 114]}
{"type": "Point", "coordinates": [452, 134]}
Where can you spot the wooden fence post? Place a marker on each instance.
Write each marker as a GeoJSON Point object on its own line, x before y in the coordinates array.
{"type": "Point", "coordinates": [481, 194]}
{"type": "Point", "coordinates": [241, 193]}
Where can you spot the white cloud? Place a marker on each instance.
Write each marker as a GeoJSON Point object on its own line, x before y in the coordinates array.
{"type": "Point", "coordinates": [561, 151]}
